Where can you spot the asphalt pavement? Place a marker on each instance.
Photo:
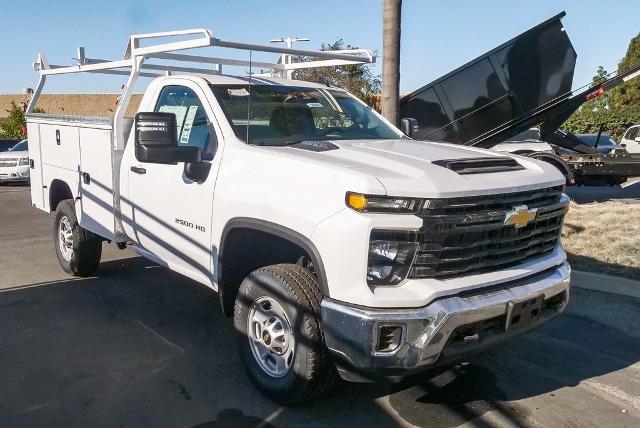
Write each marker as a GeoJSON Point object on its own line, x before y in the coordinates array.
{"type": "Point", "coordinates": [140, 346]}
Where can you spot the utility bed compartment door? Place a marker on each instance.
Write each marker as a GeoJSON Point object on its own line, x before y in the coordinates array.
{"type": "Point", "coordinates": [96, 182]}
{"type": "Point", "coordinates": [60, 146]}
{"type": "Point", "coordinates": [35, 166]}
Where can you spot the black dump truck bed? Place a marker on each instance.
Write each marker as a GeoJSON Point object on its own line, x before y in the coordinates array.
{"type": "Point", "coordinates": [482, 102]}
{"type": "Point", "coordinates": [522, 83]}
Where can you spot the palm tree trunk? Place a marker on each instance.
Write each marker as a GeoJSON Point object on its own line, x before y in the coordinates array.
{"type": "Point", "coordinates": [391, 60]}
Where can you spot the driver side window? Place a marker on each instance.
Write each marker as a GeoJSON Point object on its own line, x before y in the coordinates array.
{"type": "Point", "coordinates": [194, 127]}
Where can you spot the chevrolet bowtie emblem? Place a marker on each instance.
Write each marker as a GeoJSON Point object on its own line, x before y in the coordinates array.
{"type": "Point", "coordinates": [520, 216]}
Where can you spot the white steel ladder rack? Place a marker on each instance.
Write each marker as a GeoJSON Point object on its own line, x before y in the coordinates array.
{"type": "Point", "coordinates": [134, 63]}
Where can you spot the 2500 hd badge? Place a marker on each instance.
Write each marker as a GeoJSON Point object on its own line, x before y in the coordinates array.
{"type": "Point", "coordinates": [189, 224]}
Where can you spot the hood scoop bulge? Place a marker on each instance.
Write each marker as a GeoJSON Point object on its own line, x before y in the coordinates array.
{"type": "Point", "coordinates": [483, 165]}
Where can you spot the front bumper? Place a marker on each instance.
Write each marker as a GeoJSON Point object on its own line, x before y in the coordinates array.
{"type": "Point", "coordinates": [446, 330]}
{"type": "Point", "coordinates": [14, 173]}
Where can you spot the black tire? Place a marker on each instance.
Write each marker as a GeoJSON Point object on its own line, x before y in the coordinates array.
{"type": "Point", "coordinates": [296, 289]}
{"type": "Point", "coordinates": [86, 247]}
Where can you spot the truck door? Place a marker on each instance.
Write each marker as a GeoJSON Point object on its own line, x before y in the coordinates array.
{"type": "Point", "coordinates": [171, 213]}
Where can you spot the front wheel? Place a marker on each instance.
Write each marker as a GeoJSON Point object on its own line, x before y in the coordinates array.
{"type": "Point", "coordinates": [277, 313]}
{"type": "Point", "coordinates": [78, 250]}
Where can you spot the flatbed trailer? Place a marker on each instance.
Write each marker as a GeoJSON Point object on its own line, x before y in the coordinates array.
{"type": "Point", "coordinates": [520, 84]}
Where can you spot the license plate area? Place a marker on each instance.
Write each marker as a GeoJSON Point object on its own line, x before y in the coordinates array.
{"type": "Point", "coordinates": [522, 312]}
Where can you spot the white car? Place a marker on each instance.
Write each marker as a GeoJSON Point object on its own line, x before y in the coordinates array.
{"type": "Point", "coordinates": [631, 139]}
{"type": "Point", "coordinates": [14, 164]}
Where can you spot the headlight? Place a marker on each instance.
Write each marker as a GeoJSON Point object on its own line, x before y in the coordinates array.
{"type": "Point", "coordinates": [391, 255]}
{"type": "Point", "coordinates": [23, 161]}
{"type": "Point", "coordinates": [382, 204]}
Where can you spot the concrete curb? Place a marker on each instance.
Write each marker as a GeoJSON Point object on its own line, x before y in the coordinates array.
{"type": "Point", "coordinates": [605, 283]}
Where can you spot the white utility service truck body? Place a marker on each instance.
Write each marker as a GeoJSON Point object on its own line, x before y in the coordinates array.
{"type": "Point", "coordinates": [333, 239]}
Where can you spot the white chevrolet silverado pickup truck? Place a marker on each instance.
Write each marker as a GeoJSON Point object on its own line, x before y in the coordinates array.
{"type": "Point", "coordinates": [338, 245]}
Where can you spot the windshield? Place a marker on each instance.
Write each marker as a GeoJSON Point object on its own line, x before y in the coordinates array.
{"type": "Point", "coordinates": [590, 139]}
{"type": "Point", "coordinates": [20, 147]}
{"type": "Point", "coordinates": [283, 115]}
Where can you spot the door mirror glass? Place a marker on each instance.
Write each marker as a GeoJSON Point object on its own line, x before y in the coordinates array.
{"type": "Point", "coordinates": [197, 171]}
{"type": "Point", "coordinates": [156, 140]}
{"type": "Point", "coordinates": [409, 126]}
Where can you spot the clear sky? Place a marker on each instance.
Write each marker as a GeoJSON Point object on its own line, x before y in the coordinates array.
{"type": "Point", "coordinates": [437, 36]}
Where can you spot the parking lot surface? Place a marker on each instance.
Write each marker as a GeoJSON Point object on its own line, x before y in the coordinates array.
{"type": "Point", "coordinates": [140, 346]}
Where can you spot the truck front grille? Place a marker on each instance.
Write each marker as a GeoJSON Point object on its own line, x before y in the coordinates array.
{"type": "Point", "coordinates": [8, 162]}
{"type": "Point", "coordinates": [468, 235]}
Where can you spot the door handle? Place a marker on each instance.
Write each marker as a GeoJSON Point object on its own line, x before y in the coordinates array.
{"type": "Point", "coordinates": [86, 178]}
{"type": "Point", "coordinates": [138, 170]}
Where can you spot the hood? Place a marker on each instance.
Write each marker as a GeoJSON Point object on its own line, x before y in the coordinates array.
{"type": "Point", "coordinates": [16, 154]}
{"type": "Point", "coordinates": [415, 168]}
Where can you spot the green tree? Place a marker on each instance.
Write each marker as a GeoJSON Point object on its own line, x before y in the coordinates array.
{"type": "Point", "coordinates": [16, 123]}
{"type": "Point", "coordinates": [628, 94]}
{"type": "Point", "coordinates": [358, 79]}
{"type": "Point", "coordinates": [601, 76]}
{"type": "Point", "coordinates": [623, 102]}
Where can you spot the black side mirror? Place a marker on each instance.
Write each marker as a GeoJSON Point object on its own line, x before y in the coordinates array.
{"type": "Point", "coordinates": [197, 171]}
{"type": "Point", "coordinates": [409, 126]}
{"type": "Point", "coordinates": [156, 140]}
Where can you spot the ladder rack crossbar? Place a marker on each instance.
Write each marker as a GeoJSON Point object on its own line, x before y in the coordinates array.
{"type": "Point", "coordinates": [134, 63]}
{"type": "Point", "coordinates": [166, 51]}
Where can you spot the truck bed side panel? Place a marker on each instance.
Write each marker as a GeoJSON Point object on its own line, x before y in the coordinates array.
{"type": "Point", "coordinates": [35, 170]}
{"type": "Point", "coordinates": [96, 183]}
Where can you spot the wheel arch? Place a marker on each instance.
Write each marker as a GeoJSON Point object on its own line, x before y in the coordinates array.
{"type": "Point", "coordinates": [59, 190]}
{"type": "Point", "coordinates": [556, 161]}
{"type": "Point", "coordinates": [257, 229]}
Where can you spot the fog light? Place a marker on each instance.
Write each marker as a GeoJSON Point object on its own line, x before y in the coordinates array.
{"type": "Point", "coordinates": [389, 338]}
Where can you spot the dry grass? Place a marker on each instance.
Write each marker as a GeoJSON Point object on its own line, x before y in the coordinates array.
{"type": "Point", "coordinates": [604, 238]}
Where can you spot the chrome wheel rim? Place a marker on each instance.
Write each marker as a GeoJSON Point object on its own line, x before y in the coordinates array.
{"type": "Point", "coordinates": [65, 238]}
{"type": "Point", "coordinates": [270, 337]}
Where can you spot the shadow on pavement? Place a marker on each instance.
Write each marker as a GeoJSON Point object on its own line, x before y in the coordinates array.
{"type": "Point", "coordinates": [138, 346]}
{"type": "Point", "coordinates": [142, 346]}
{"type": "Point", "coordinates": [594, 265]}
{"type": "Point", "coordinates": [560, 354]}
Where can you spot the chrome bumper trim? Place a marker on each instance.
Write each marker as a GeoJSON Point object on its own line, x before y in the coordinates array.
{"type": "Point", "coordinates": [349, 331]}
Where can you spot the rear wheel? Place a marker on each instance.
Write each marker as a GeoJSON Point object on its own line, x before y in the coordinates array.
{"type": "Point", "coordinates": [78, 250]}
{"type": "Point", "coordinates": [277, 313]}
